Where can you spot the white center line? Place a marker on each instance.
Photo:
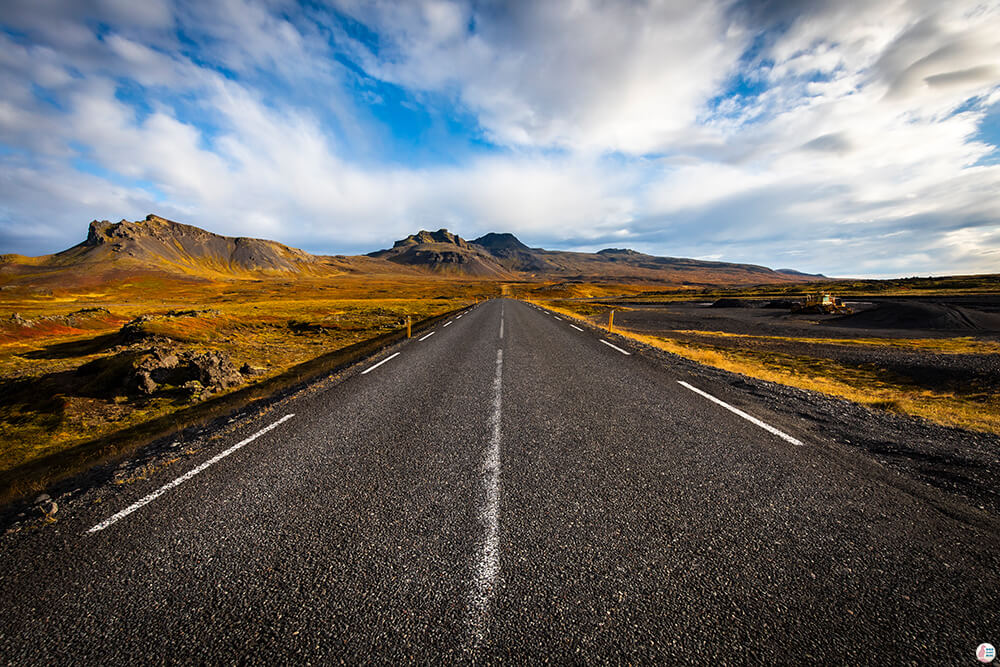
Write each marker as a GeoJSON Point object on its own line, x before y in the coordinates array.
{"type": "Point", "coordinates": [427, 336]}
{"type": "Point", "coordinates": [615, 347]}
{"type": "Point", "coordinates": [576, 327]}
{"type": "Point", "coordinates": [447, 323]}
{"type": "Point", "coordinates": [488, 565]}
{"type": "Point", "coordinates": [750, 418]}
{"type": "Point", "coordinates": [389, 358]}
{"type": "Point", "coordinates": [185, 477]}
{"type": "Point", "coordinates": [501, 328]}
{"type": "Point", "coordinates": [558, 318]}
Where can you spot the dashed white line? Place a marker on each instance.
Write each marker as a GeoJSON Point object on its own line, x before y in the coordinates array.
{"type": "Point", "coordinates": [185, 477]}
{"type": "Point", "coordinates": [427, 336]}
{"type": "Point", "coordinates": [488, 564]}
{"type": "Point", "coordinates": [750, 418]}
{"type": "Point", "coordinates": [576, 327]}
{"type": "Point", "coordinates": [447, 323]}
{"type": "Point", "coordinates": [501, 328]}
{"type": "Point", "coordinates": [389, 358]}
{"type": "Point", "coordinates": [558, 318]}
{"type": "Point", "coordinates": [615, 347]}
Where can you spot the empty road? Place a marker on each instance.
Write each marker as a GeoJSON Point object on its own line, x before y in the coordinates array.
{"type": "Point", "coordinates": [509, 487]}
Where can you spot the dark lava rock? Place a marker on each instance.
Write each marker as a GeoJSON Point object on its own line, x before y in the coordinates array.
{"type": "Point", "coordinates": [921, 315]}
{"type": "Point", "coordinates": [727, 302]}
{"type": "Point", "coordinates": [142, 371]}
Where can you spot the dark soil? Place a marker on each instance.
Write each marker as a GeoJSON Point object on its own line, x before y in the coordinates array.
{"type": "Point", "coordinates": [921, 316]}
{"type": "Point", "coordinates": [960, 373]}
{"type": "Point", "coordinates": [872, 319]}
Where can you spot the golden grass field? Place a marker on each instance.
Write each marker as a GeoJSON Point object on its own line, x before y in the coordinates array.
{"type": "Point", "coordinates": [970, 407]}
{"type": "Point", "coordinates": [277, 323]}
{"type": "Point", "coordinates": [270, 326]}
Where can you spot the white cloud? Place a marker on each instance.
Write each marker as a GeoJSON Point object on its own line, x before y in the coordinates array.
{"type": "Point", "coordinates": [585, 75]}
{"type": "Point", "coordinates": [859, 155]}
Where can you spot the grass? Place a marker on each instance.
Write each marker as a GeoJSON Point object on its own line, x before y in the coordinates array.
{"type": "Point", "coordinates": [901, 287]}
{"type": "Point", "coordinates": [273, 325]}
{"type": "Point", "coordinates": [957, 345]}
{"type": "Point", "coordinates": [969, 409]}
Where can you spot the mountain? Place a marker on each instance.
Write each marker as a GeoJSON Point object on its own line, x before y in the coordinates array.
{"type": "Point", "coordinates": [800, 274]}
{"type": "Point", "coordinates": [504, 256]}
{"type": "Point", "coordinates": [157, 246]}
{"type": "Point", "coordinates": [444, 252]}
{"type": "Point", "coordinates": [164, 243]}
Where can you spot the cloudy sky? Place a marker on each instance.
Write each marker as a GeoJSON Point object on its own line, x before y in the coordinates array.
{"type": "Point", "coordinates": [834, 136]}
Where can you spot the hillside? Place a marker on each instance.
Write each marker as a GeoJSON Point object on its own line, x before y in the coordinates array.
{"type": "Point", "coordinates": [444, 252]}
{"type": "Point", "coordinates": [157, 246]}
{"type": "Point", "coordinates": [504, 256]}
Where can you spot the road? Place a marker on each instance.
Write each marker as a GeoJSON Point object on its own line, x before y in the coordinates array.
{"type": "Point", "coordinates": [511, 488]}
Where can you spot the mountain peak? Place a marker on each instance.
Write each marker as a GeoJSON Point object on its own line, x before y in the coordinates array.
{"type": "Point", "coordinates": [619, 251]}
{"type": "Point", "coordinates": [102, 231]}
{"type": "Point", "coordinates": [495, 241]}
{"type": "Point", "coordinates": [440, 236]}
{"type": "Point", "coordinates": [160, 243]}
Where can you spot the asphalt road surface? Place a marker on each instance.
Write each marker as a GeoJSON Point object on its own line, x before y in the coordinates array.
{"type": "Point", "coordinates": [510, 488]}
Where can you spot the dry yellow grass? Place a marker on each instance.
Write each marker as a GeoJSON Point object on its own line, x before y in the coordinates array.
{"type": "Point", "coordinates": [975, 411]}
{"type": "Point", "coordinates": [271, 325]}
{"type": "Point", "coordinates": [958, 345]}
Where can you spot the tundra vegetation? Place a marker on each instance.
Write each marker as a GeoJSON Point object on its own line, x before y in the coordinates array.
{"type": "Point", "coordinates": [78, 366]}
{"type": "Point", "coordinates": [948, 376]}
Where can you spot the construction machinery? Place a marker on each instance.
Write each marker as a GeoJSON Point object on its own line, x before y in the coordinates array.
{"type": "Point", "coordinates": [821, 303]}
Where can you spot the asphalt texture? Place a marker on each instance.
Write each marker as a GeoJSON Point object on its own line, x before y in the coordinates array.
{"type": "Point", "coordinates": [631, 520]}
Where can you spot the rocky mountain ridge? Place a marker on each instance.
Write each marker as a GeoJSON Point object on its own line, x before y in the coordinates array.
{"type": "Point", "coordinates": [161, 246]}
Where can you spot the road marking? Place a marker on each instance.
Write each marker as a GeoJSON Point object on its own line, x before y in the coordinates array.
{"type": "Point", "coordinates": [750, 418]}
{"type": "Point", "coordinates": [501, 328]}
{"type": "Point", "coordinates": [576, 327]}
{"type": "Point", "coordinates": [447, 323]}
{"type": "Point", "coordinates": [185, 477]}
{"type": "Point", "coordinates": [427, 336]}
{"type": "Point", "coordinates": [615, 347]}
{"type": "Point", "coordinates": [488, 565]}
{"type": "Point", "coordinates": [389, 358]}
{"type": "Point", "coordinates": [459, 317]}
{"type": "Point", "coordinates": [558, 318]}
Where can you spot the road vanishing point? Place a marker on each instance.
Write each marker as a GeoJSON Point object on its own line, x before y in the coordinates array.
{"type": "Point", "coordinates": [509, 487]}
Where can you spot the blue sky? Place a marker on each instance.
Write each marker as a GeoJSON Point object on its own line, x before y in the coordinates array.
{"type": "Point", "coordinates": [842, 137]}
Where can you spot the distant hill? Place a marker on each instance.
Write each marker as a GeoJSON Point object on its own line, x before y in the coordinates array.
{"type": "Point", "coordinates": [163, 247]}
{"type": "Point", "coordinates": [799, 274]}
{"type": "Point", "coordinates": [157, 246]}
{"type": "Point", "coordinates": [444, 252]}
{"type": "Point", "coordinates": [503, 255]}
{"type": "Point", "coordinates": [166, 244]}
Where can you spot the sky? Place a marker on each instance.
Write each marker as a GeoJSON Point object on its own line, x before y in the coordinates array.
{"type": "Point", "coordinates": [844, 137]}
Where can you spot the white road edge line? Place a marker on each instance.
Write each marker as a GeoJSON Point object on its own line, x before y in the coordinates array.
{"type": "Point", "coordinates": [488, 565]}
{"type": "Point", "coordinates": [427, 336]}
{"type": "Point", "coordinates": [576, 327]}
{"type": "Point", "coordinates": [371, 368]}
{"type": "Point", "coordinates": [447, 323]}
{"type": "Point", "coordinates": [185, 477]}
{"type": "Point", "coordinates": [615, 347]}
{"type": "Point", "coordinates": [750, 418]}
